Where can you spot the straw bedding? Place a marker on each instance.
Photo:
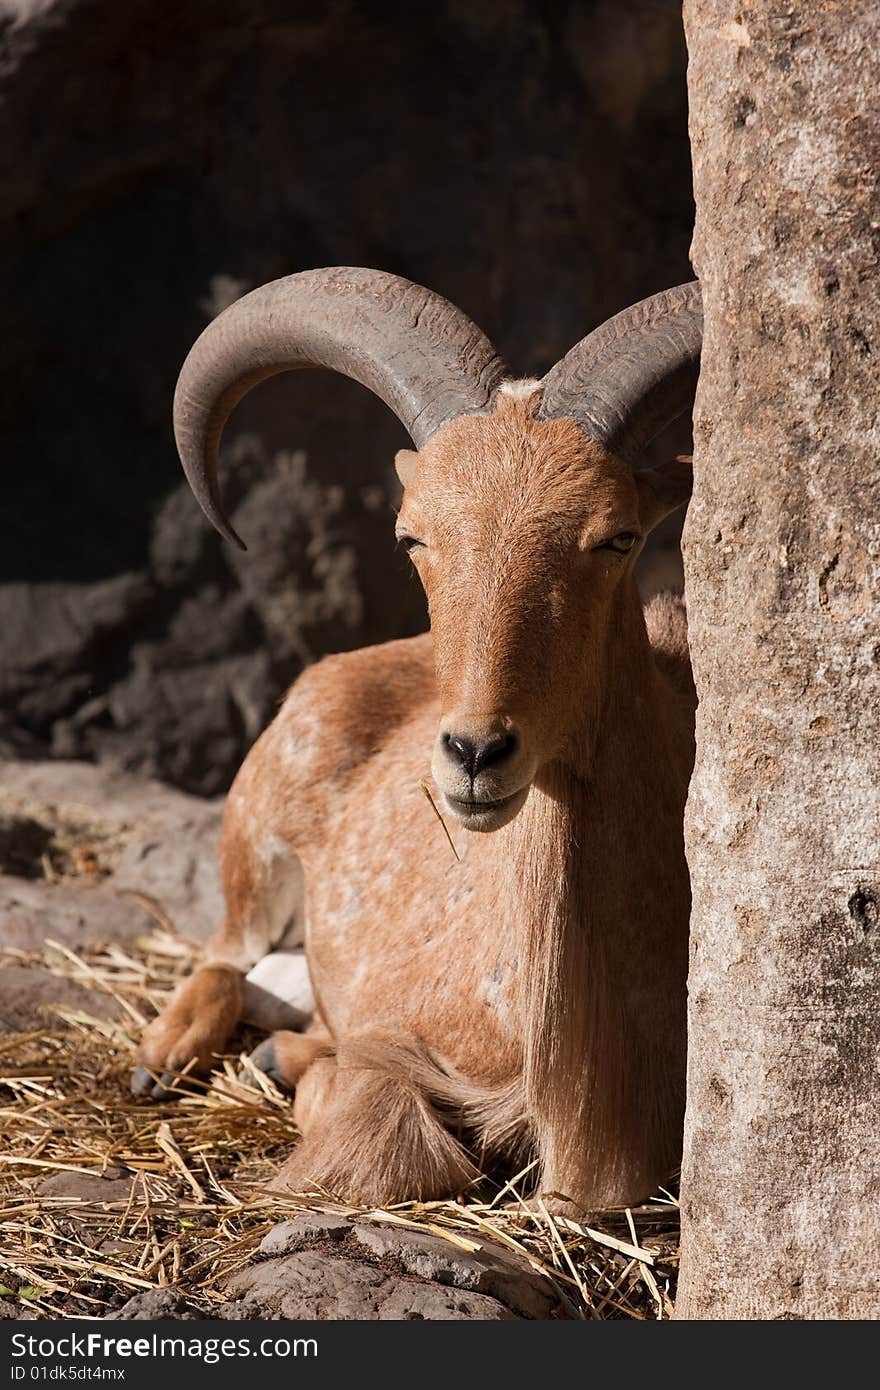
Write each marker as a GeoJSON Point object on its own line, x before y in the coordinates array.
{"type": "Point", "coordinates": [195, 1211]}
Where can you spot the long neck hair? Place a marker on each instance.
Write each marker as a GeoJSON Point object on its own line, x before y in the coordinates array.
{"type": "Point", "coordinates": [602, 961]}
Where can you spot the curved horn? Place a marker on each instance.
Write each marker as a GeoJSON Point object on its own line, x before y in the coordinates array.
{"type": "Point", "coordinates": [634, 375]}
{"type": "Point", "coordinates": [415, 350]}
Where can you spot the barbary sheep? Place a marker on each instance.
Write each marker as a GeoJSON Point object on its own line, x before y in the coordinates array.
{"type": "Point", "coordinates": [523, 996]}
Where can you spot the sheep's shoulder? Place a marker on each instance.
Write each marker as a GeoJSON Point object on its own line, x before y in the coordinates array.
{"type": "Point", "coordinates": [343, 709]}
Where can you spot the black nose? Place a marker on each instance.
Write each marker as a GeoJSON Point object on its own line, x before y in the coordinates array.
{"type": "Point", "coordinates": [476, 754]}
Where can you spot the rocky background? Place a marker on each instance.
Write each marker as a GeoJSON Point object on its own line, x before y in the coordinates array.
{"type": "Point", "coordinates": [160, 157]}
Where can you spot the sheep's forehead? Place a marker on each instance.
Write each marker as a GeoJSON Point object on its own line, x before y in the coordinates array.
{"type": "Point", "coordinates": [510, 465]}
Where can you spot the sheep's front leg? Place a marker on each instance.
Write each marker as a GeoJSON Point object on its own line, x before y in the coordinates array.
{"type": "Point", "coordinates": [189, 1033]}
{"type": "Point", "coordinates": [264, 900]}
{"type": "Point", "coordinates": [275, 996]}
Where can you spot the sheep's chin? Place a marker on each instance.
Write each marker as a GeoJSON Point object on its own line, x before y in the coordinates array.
{"type": "Point", "coordinates": [486, 816]}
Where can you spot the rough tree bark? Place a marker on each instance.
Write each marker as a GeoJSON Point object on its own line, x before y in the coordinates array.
{"type": "Point", "coordinates": [782, 1149]}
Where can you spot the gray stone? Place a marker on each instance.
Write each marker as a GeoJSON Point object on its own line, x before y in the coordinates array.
{"type": "Point", "coordinates": [87, 1187]}
{"type": "Point", "coordinates": [155, 1305]}
{"type": "Point", "coordinates": [164, 864]}
{"type": "Point", "coordinates": [304, 1230]}
{"type": "Point", "coordinates": [31, 912]}
{"type": "Point", "coordinates": [491, 1270]}
{"type": "Point", "coordinates": [386, 1266]}
{"type": "Point", "coordinates": [29, 993]}
{"type": "Point", "coordinates": [313, 1284]}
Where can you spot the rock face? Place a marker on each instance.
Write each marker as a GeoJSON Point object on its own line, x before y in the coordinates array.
{"type": "Point", "coordinates": [157, 159]}
{"type": "Point", "coordinates": [782, 1158]}
{"type": "Point", "coordinates": [148, 853]}
{"type": "Point", "coordinates": [28, 995]}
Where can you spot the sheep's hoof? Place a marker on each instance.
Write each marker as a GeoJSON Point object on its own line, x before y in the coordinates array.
{"type": "Point", "coordinates": [266, 1058]}
{"type": "Point", "coordinates": [144, 1084]}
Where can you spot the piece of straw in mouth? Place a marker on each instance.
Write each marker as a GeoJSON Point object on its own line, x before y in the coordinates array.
{"type": "Point", "coordinates": [435, 808]}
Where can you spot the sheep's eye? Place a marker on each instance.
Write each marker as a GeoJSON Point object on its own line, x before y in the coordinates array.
{"type": "Point", "coordinates": [621, 543]}
{"type": "Point", "coordinates": [410, 543]}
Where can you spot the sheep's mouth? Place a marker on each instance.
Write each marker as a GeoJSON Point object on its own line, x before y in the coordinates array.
{"type": "Point", "coordinates": [486, 815]}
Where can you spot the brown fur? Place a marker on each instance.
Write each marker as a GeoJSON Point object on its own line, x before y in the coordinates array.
{"type": "Point", "coordinates": [373, 1098]}
{"type": "Point", "coordinates": [530, 995]}
{"type": "Point", "coordinates": [196, 1023]}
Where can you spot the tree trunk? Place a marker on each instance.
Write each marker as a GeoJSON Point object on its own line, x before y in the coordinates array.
{"type": "Point", "coordinates": [781, 1175]}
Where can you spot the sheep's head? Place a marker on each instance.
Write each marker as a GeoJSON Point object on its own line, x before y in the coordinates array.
{"type": "Point", "coordinates": [521, 509]}
{"type": "Point", "coordinates": [523, 532]}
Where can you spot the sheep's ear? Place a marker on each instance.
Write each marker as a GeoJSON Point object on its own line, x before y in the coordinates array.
{"type": "Point", "coordinates": [406, 461]}
{"type": "Point", "coordinates": [663, 489]}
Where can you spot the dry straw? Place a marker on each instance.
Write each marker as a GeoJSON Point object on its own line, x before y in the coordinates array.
{"type": "Point", "coordinates": [196, 1211]}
